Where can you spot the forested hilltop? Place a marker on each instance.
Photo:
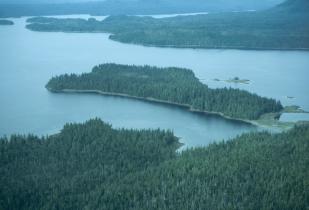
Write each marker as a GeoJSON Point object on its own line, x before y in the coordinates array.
{"type": "Point", "coordinates": [175, 85]}
{"type": "Point", "coordinates": [284, 27]}
{"type": "Point", "coordinates": [93, 166]}
{"type": "Point", "coordinates": [6, 22]}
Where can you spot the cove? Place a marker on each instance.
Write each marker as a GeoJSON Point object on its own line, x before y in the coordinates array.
{"type": "Point", "coordinates": [29, 59]}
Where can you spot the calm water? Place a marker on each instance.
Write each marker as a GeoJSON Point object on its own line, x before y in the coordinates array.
{"type": "Point", "coordinates": [29, 59]}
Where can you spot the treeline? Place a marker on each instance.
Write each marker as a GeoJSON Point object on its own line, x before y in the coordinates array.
{"type": "Point", "coordinates": [6, 22]}
{"type": "Point", "coordinates": [174, 85]}
{"type": "Point", "coordinates": [129, 7]}
{"type": "Point", "coordinates": [74, 168]}
{"type": "Point", "coordinates": [283, 27]}
{"type": "Point", "coordinates": [93, 166]}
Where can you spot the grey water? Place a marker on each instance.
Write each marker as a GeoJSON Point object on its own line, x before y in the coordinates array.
{"type": "Point", "coordinates": [28, 59]}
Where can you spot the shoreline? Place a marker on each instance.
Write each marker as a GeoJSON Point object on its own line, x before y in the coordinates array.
{"type": "Point", "coordinates": [199, 47]}
{"type": "Point", "coordinates": [195, 47]}
{"type": "Point", "coordinates": [262, 123]}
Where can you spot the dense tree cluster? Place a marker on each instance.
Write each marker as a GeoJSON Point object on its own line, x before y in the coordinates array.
{"type": "Point", "coordinates": [283, 27]}
{"type": "Point", "coordinates": [254, 171]}
{"type": "Point", "coordinates": [66, 170]}
{"type": "Point", "coordinates": [174, 85]}
{"type": "Point", "coordinates": [93, 166]}
{"type": "Point", "coordinates": [6, 22]}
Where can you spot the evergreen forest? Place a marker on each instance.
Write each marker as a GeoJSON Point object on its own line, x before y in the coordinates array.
{"type": "Point", "coordinates": [284, 27]}
{"type": "Point", "coordinates": [174, 85]}
{"type": "Point", "coordinates": [94, 166]}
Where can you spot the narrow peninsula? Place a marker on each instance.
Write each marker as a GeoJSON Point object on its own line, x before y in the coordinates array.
{"type": "Point", "coordinates": [171, 85]}
{"type": "Point", "coordinates": [284, 27]}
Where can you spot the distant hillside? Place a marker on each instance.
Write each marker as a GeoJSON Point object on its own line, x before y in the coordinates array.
{"type": "Point", "coordinates": [6, 22]}
{"type": "Point", "coordinates": [285, 27]}
{"type": "Point", "coordinates": [293, 6]}
{"type": "Point", "coordinates": [125, 7]}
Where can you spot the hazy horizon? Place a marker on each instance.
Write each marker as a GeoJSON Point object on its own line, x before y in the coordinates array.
{"type": "Point", "coordinates": [253, 2]}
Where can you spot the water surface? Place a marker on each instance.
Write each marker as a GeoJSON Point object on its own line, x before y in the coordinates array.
{"type": "Point", "coordinates": [29, 59]}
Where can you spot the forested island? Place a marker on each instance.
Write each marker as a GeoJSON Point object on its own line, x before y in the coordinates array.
{"type": "Point", "coordinates": [93, 166]}
{"type": "Point", "coordinates": [6, 22]}
{"type": "Point", "coordinates": [284, 27]}
{"type": "Point", "coordinates": [170, 85]}
{"type": "Point", "coordinates": [235, 80]}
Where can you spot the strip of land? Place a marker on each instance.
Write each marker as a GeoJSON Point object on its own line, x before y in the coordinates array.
{"type": "Point", "coordinates": [175, 86]}
{"type": "Point", "coordinates": [268, 121]}
{"type": "Point", "coordinates": [285, 27]}
{"type": "Point", "coordinates": [6, 22]}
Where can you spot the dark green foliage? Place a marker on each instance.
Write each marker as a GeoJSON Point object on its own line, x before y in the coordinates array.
{"type": "Point", "coordinates": [66, 170]}
{"type": "Point", "coordinates": [168, 84]}
{"type": "Point", "coordinates": [92, 166]}
{"type": "Point", "coordinates": [254, 171]}
{"type": "Point", "coordinates": [283, 27]}
{"type": "Point", "coordinates": [6, 22]}
{"type": "Point", "coordinates": [70, 24]}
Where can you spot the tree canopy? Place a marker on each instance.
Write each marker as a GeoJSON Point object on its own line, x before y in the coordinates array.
{"type": "Point", "coordinates": [175, 85]}
{"type": "Point", "coordinates": [93, 166]}
{"type": "Point", "coordinates": [284, 27]}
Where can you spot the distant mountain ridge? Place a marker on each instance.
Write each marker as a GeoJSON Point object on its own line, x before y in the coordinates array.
{"type": "Point", "coordinates": [128, 7]}
{"type": "Point", "coordinates": [293, 6]}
